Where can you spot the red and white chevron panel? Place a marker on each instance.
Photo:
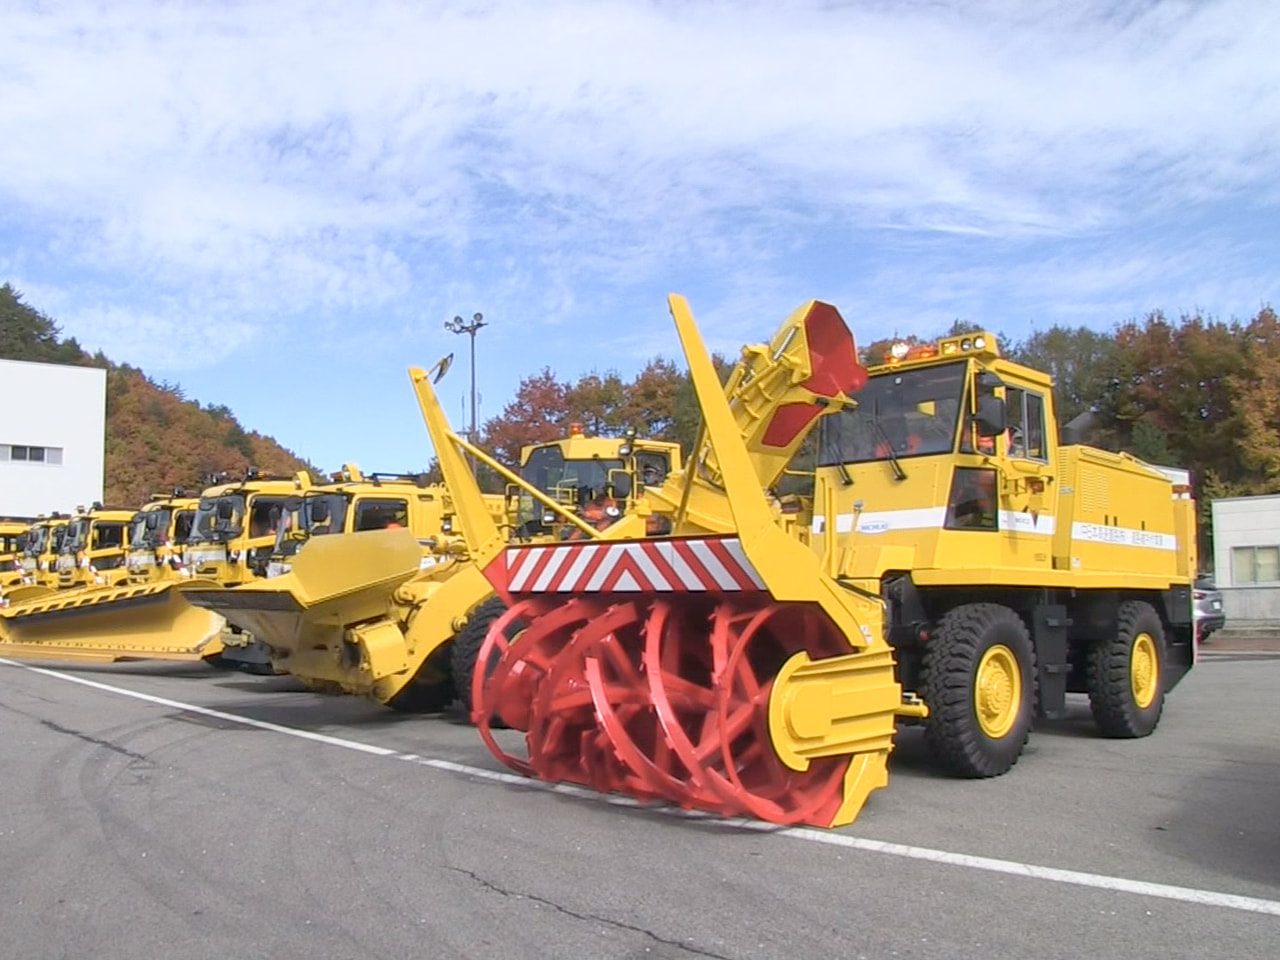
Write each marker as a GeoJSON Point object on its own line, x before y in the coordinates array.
{"type": "Point", "coordinates": [716, 565]}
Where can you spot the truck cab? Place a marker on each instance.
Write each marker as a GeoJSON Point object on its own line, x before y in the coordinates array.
{"type": "Point", "coordinates": [234, 530]}
{"type": "Point", "coordinates": [157, 537]}
{"type": "Point", "coordinates": [355, 501]}
{"type": "Point", "coordinates": [94, 550]}
{"type": "Point", "coordinates": [39, 561]}
{"type": "Point", "coordinates": [598, 477]}
{"type": "Point", "coordinates": [946, 488]}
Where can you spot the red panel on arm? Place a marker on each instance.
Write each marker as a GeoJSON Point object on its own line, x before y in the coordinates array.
{"type": "Point", "coordinates": [833, 360]}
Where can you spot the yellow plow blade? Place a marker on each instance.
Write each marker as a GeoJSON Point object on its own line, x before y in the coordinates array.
{"type": "Point", "coordinates": [339, 590]}
{"type": "Point", "coordinates": [148, 622]}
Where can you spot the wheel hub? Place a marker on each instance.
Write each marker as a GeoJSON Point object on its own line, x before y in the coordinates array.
{"type": "Point", "coordinates": [1144, 670]}
{"type": "Point", "coordinates": [997, 691]}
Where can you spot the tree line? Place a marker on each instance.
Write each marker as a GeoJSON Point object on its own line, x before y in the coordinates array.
{"type": "Point", "coordinates": [1194, 392]}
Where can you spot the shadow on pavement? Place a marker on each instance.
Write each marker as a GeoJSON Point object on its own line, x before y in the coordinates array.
{"type": "Point", "coordinates": [1229, 819]}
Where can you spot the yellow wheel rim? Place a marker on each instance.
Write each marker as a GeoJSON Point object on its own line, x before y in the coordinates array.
{"type": "Point", "coordinates": [1144, 670]}
{"type": "Point", "coordinates": [997, 689]}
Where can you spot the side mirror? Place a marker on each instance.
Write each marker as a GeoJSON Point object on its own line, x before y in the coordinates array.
{"type": "Point", "coordinates": [225, 510]}
{"type": "Point", "coordinates": [991, 416]}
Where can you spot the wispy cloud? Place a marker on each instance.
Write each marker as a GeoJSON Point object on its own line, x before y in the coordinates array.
{"type": "Point", "coordinates": [298, 165]}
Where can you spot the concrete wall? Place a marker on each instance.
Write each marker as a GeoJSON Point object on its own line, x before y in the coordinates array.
{"type": "Point", "coordinates": [1245, 522]}
{"type": "Point", "coordinates": [61, 410]}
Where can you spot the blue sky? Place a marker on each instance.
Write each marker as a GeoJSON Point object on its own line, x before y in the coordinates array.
{"type": "Point", "coordinates": [278, 205]}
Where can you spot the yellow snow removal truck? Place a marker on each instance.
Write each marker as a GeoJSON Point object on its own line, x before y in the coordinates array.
{"type": "Point", "coordinates": [233, 536]}
{"type": "Point", "coordinates": [95, 548]}
{"type": "Point", "coordinates": [964, 569]}
{"type": "Point", "coordinates": [157, 537]}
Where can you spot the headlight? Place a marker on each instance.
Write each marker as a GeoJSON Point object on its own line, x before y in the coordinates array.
{"type": "Point", "coordinates": [612, 512]}
{"type": "Point", "coordinates": [548, 518]}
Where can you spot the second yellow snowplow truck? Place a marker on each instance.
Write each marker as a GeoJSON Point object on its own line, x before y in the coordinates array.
{"type": "Point", "coordinates": [233, 536]}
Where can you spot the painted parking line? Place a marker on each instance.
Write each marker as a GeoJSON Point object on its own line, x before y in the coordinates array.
{"type": "Point", "coordinates": [1097, 881]}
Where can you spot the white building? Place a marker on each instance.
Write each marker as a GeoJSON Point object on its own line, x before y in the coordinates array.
{"type": "Point", "coordinates": [1246, 558]}
{"type": "Point", "coordinates": [53, 422]}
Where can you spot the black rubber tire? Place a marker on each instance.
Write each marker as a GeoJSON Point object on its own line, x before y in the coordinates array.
{"type": "Point", "coordinates": [948, 674]}
{"type": "Point", "coordinates": [467, 644]}
{"type": "Point", "coordinates": [1115, 711]}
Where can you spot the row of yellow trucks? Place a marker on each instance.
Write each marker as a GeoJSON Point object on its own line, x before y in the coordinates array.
{"type": "Point", "coordinates": [671, 628]}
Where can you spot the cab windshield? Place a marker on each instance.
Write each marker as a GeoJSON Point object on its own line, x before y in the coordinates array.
{"type": "Point", "coordinates": [551, 473]}
{"type": "Point", "coordinates": [77, 536]}
{"type": "Point", "coordinates": [148, 532]}
{"type": "Point", "coordinates": [909, 413]}
{"type": "Point", "coordinates": [36, 541]}
{"type": "Point", "coordinates": [218, 519]}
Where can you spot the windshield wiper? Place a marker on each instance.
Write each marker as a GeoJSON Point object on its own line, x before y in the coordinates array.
{"type": "Point", "coordinates": [832, 450]}
{"type": "Point", "coordinates": [898, 472]}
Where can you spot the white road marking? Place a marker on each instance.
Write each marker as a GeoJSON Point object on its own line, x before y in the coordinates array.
{"type": "Point", "coordinates": [1097, 881]}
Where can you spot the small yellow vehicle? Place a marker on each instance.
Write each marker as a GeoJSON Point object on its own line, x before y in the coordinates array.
{"type": "Point", "coordinates": [157, 537]}
{"type": "Point", "coordinates": [94, 551]}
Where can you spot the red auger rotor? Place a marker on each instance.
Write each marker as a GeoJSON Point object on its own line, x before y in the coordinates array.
{"type": "Point", "coordinates": [658, 689]}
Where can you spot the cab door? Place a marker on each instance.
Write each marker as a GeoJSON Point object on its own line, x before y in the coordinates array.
{"type": "Point", "coordinates": [1027, 492]}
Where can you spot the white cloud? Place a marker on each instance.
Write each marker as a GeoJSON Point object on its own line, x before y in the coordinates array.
{"type": "Point", "coordinates": [254, 161]}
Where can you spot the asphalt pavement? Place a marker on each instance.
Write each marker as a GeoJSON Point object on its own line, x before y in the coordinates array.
{"type": "Point", "coordinates": [150, 810]}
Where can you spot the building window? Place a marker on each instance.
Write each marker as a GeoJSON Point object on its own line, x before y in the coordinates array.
{"type": "Point", "coordinates": [1255, 565]}
{"type": "Point", "coordinates": [23, 453]}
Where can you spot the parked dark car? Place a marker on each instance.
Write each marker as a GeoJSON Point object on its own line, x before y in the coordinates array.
{"type": "Point", "coordinates": [1208, 607]}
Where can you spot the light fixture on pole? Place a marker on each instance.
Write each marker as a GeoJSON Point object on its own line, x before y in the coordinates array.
{"type": "Point", "coordinates": [458, 325]}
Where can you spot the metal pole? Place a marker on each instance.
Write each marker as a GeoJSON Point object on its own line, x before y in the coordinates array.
{"type": "Point", "coordinates": [458, 325]}
{"type": "Point", "coordinates": [472, 436]}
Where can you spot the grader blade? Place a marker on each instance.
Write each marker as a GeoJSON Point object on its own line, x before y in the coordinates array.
{"type": "Point", "coordinates": [729, 674]}
{"type": "Point", "coordinates": [338, 585]}
{"type": "Point", "coordinates": [147, 622]}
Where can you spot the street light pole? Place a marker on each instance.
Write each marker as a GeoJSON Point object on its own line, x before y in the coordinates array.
{"type": "Point", "coordinates": [458, 325]}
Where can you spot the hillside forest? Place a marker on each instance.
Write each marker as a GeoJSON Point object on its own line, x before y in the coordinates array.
{"type": "Point", "coordinates": [1195, 392]}
{"type": "Point", "coordinates": [157, 439]}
